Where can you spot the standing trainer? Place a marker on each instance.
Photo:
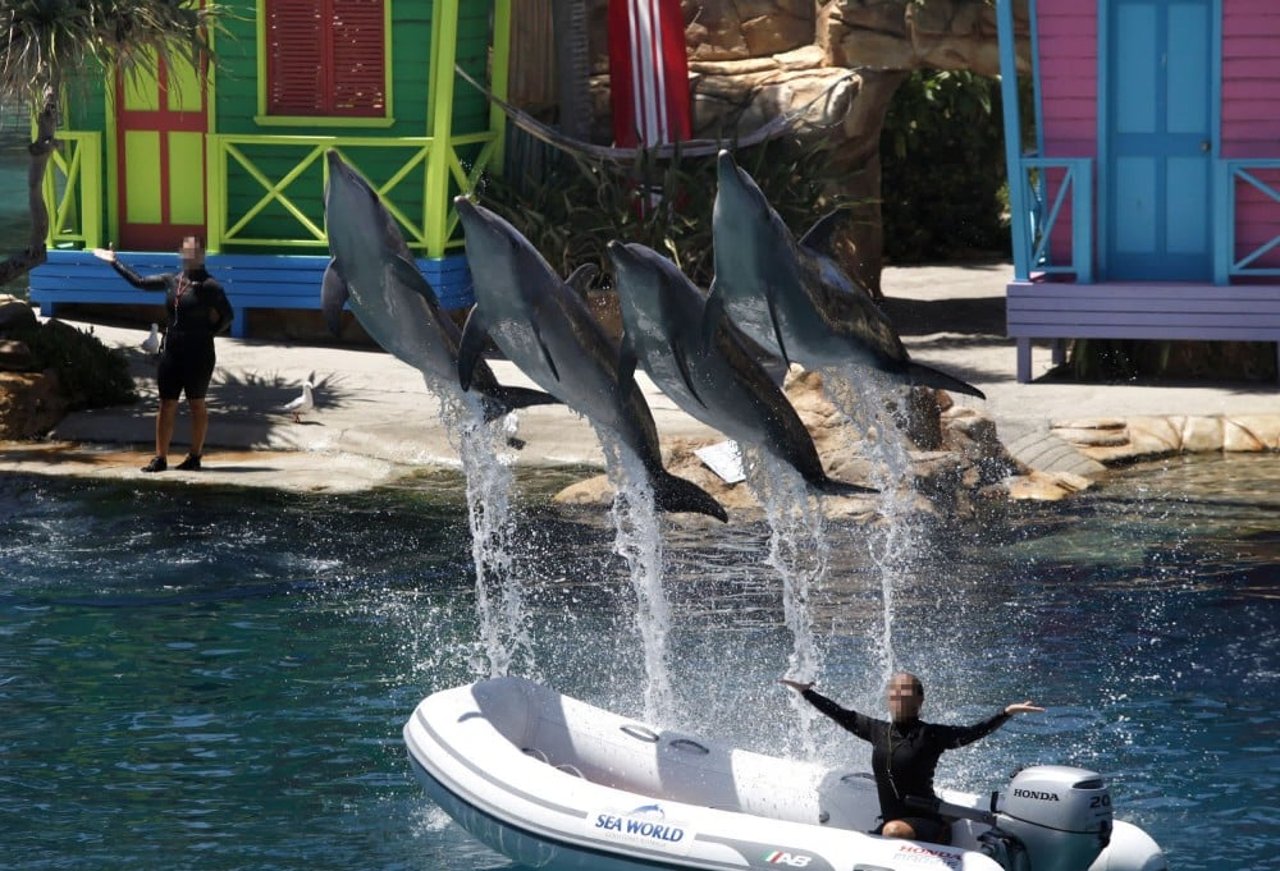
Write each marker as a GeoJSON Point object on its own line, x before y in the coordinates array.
{"type": "Point", "coordinates": [905, 752]}
{"type": "Point", "coordinates": [197, 310]}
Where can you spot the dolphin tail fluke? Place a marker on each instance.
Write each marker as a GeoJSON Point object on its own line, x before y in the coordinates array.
{"type": "Point", "coordinates": [500, 400]}
{"type": "Point", "coordinates": [930, 377]}
{"type": "Point", "coordinates": [676, 495]}
{"type": "Point", "coordinates": [832, 487]}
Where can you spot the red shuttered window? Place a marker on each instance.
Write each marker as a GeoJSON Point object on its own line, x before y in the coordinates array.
{"type": "Point", "coordinates": [326, 57]}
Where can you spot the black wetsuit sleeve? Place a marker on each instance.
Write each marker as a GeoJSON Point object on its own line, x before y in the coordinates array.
{"type": "Point", "coordinates": [856, 723]}
{"type": "Point", "coordinates": [150, 282]}
{"type": "Point", "coordinates": [221, 305]}
{"type": "Point", "coordinates": [958, 736]}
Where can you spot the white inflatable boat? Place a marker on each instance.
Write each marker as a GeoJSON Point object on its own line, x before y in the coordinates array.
{"type": "Point", "coordinates": [552, 782]}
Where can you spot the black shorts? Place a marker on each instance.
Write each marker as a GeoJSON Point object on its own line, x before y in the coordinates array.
{"type": "Point", "coordinates": [185, 366]}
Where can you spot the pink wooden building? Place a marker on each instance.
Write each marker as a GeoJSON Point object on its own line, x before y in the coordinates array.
{"type": "Point", "coordinates": [1148, 206]}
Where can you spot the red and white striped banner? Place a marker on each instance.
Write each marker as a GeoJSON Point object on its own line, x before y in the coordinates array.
{"type": "Point", "coordinates": [648, 72]}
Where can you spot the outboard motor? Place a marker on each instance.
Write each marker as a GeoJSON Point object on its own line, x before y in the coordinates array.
{"type": "Point", "coordinates": [1058, 817]}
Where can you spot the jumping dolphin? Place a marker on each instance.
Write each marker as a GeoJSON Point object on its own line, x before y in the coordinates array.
{"type": "Point", "coordinates": [373, 270]}
{"type": "Point", "coordinates": [791, 297]}
{"type": "Point", "coordinates": [717, 381]}
{"type": "Point", "coordinates": [545, 328]}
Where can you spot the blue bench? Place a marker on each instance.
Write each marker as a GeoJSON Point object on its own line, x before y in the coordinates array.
{"type": "Point", "coordinates": [252, 281]}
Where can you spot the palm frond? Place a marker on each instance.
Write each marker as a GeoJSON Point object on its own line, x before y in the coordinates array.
{"type": "Point", "coordinates": [44, 43]}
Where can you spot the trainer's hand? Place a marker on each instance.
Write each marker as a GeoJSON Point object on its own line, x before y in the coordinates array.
{"type": "Point", "coordinates": [1023, 708]}
{"type": "Point", "coordinates": [106, 254]}
{"type": "Point", "coordinates": [795, 684]}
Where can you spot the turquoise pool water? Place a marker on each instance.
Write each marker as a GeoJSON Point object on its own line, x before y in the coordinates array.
{"type": "Point", "coordinates": [197, 678]}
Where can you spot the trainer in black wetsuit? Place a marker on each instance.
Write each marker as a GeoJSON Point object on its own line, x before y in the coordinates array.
{"type": "Point", "coordinates": [197, 310]}
{"type": "Point", "coordinates": [905, 752]}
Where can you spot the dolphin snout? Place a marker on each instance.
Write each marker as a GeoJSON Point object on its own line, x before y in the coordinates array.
{"type": "Point", "coordinates": [725, 164]}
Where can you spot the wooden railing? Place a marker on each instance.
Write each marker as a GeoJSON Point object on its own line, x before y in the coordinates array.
{"type": "Point", "coordinates": [297, 192]}
{"type": "Point", "coordinates": [1046, 185]}
{"type": "Point", "coordinates": [73, 191]}
{"type": "Point", "coordinates": [1234, 173]}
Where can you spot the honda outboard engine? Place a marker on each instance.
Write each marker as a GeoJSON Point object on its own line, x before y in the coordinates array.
{"type": "Point", "coordinates": [1060, 817]}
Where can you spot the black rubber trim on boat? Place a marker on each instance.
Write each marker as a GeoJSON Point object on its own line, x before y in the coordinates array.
{"type": "Point", "coordinates": [640, 733]}
{"type": "Point", "coordinates": [688, 745]}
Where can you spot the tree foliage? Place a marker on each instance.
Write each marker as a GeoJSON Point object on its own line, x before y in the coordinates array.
{"type": "Point", "coordinates": [46, 45]}
{"type": "Point", "coordinates": [944, 182]}
{"type": "Point", "coordinates": [571, 208]}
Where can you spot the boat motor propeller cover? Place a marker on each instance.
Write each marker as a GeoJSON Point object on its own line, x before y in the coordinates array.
{"type": "Point", "coordinates": [1062, 816]}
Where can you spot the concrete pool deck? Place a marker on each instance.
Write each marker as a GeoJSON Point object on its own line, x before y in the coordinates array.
{"type": "Point", "coordinates": [375, 422]}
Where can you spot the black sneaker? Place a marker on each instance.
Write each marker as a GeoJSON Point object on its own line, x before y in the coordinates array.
{"type": "Point", "coordinates": [190, 464]}
{"type": "Point", "coordinates": [157, 464]}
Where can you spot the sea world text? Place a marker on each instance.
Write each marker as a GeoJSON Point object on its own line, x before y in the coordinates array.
{"type": "Point", "coordinates": [640, 828]}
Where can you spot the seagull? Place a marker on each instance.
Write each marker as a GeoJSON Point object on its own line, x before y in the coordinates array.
{"type": "Point", "coordinates": [302, 404]}
{"type": "Point", "coordinates": [151, 344]}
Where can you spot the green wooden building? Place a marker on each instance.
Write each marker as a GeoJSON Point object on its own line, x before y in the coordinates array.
{"type": "Point", "coordinates": [233, 151]}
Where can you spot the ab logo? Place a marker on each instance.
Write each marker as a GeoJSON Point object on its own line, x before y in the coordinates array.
{"type": "Point", "coordinates": [791, 860]}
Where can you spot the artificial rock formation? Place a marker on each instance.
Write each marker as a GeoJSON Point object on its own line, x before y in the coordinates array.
{"type": "Point", "coordinates": [969, 472]}
{"type": "Point", "coordinates": [840, 60]}
{"type": "Point", "coordinates": [1113, 441]}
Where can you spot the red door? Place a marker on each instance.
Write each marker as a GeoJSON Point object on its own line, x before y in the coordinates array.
{"type": "Point", "coordinates": [161, 124]}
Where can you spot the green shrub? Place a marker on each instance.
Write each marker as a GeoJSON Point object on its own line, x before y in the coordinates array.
{"type": "Point", "coordinates": [571, 209]}
{"type": "Point", "coordinates": [90, 374]}
{"type": "Point", "coordinates": [944, 180]}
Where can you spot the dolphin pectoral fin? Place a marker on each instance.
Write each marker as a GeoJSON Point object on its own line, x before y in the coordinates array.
{"type": "Point", "coordinates": [501, 400]}
{"type": "Point", "coordinates": [333, 296]}
{"type": "Point", "coordinates": [712, 314]}
{"type": "Point", "coordinates": [475, 335]}
{"type": "Point", "coordinates": [930, 377]}
{"type": "Point", "coordinates": [832, 487]}
{"type": "Point", "coordinates": [819, 236]}
{"type": "Point", "coordinates": [406, 273]}
{"type": "Point", "coordinates": [546, 352]}
{"type": "Point", "coordinates": [626, 363]}
{"type": "Point", "coordinates": [682, 363]}
{"type": "Point", "coordinates": [580, 279]}
{"type": "Point", "coordinates": [777, 329]}
{"type": "Point", "coordinates": [676, 495]}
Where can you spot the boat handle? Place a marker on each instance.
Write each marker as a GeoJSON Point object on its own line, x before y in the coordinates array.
{"type": "Point", "coordinates": [642, 733]}
{"type": "Point", "coordinates": [690, 746]}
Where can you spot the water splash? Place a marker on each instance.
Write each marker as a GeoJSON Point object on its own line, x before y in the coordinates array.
{"type": "Point", "coordinates": [638, 541]}
{"type": "Point", "coordinates": [872, 402]}
{"type": "Point", "coordinates": [500, 594]}
{"type": "Point", "coordinates": [799, 552]}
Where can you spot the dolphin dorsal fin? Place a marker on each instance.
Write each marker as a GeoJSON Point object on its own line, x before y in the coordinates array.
{"type": "Point", "coordinates": [819, 236]}
{"type": "Point", "coordinates": [475, 335]}
{"type": "Point", "coordinates": [580, 279]}
{"type": "Point", "coordinates": [334, 291]}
